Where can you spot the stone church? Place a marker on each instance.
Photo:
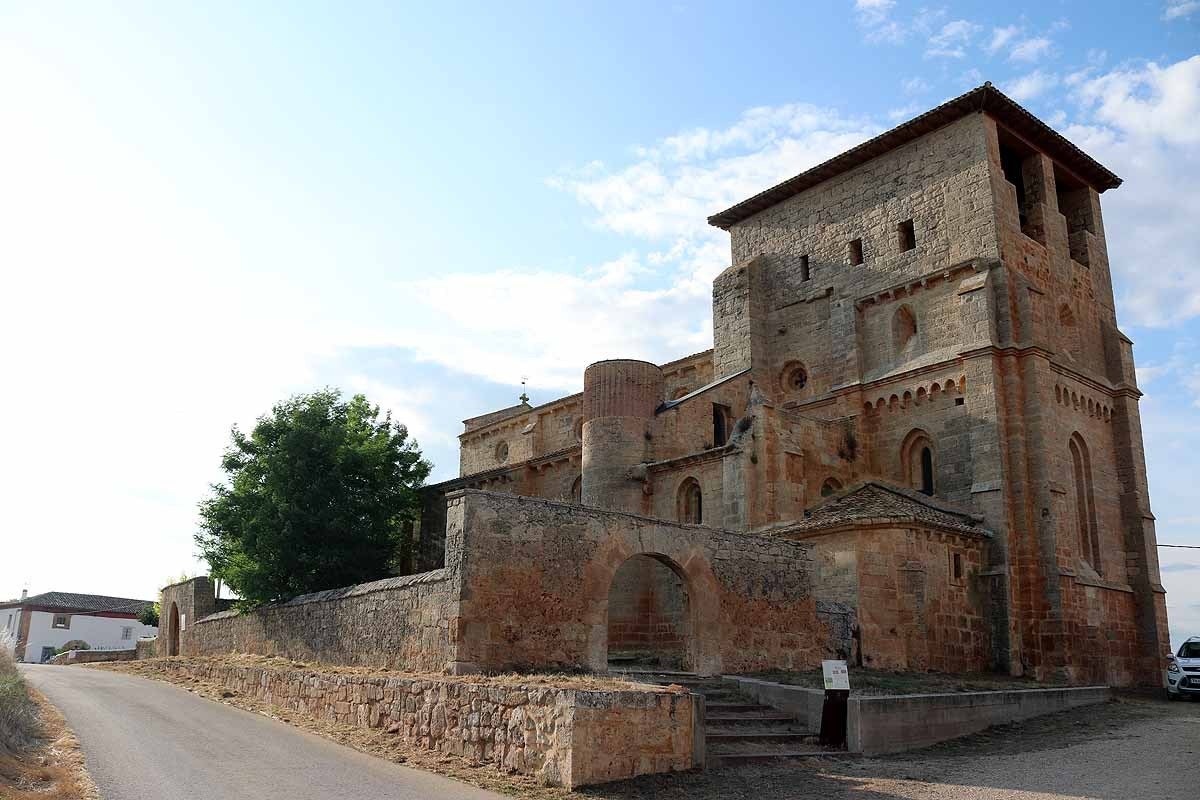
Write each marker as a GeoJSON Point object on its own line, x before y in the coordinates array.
{"type": "Point", "coordinates": [917, 372]}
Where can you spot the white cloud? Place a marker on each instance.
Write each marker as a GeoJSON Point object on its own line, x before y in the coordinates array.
{"type": "Point", "coordinates": [654, 303]}
{"type": "Point", "coordinates": [1001, 37]}
{"type": "Point", "coordinates": [1030, 86]}
{"type": "Point", "coordinates": [1031, 49]}
{"type": "Point", "coordinates": [914, 85]}
{"type": "Point", "coordinates": [874, 17]}
{"type": "Point", "coordinates": [1180, 9]}
{"type": "Point", "coordinates": [1140, 122]}
{"type": "Point", "coordinates": [952, 40]}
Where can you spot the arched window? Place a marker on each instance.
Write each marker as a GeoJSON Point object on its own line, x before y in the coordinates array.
{"type": "Point", "coordinates": [722, 421]}
{"type": "Point", "coordinates": [690, 502]}
{"type": "Point", "coordinates": [904, 331]}
{"type": "Point", "coordinates": [1085, 503]}
{"type": "Point", "coordinates": [830, 486]}
{"type": "Point", "coordinates": [917, 462]}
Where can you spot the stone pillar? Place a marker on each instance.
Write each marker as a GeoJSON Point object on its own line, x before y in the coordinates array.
{"type": "Point", "coordinates": [619, 400]}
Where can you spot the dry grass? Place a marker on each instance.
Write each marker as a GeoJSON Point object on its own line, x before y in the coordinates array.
{"type": "Point", "coordinates": [39, 755]}
{"type": "Point", "coordinates": [887, 682]}
{"type": "Point", "coordinates": [559, 680]}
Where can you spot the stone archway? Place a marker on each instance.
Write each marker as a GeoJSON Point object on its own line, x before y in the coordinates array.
{"type": "Point", "coordinates": [173, 630]}
{"type": "Point", "coordinates": [650, 623]}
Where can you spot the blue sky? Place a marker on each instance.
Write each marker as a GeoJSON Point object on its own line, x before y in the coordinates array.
{"type": "Point", "coordinates": [207, 208]}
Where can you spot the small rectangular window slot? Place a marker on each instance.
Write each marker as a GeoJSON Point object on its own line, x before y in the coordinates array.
{"type": "Point", "coordinates": [958, 401]}
{"type": "Point", "coordinates": [907, 235]}
{"type": "Point", "coordinates": [856, 252]}
{"type": "Point", "coordinates": [804, 274]}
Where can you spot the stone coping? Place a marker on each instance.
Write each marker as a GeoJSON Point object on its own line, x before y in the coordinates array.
{"type": "Point", "coordinates": [386, 584]}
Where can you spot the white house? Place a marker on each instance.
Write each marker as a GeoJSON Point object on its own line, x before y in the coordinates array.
{"type": "Point", "coordinates": [36, 627]}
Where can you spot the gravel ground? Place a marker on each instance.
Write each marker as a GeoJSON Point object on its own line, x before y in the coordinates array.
{"type": "Point", "coordinates": [1126, 750]}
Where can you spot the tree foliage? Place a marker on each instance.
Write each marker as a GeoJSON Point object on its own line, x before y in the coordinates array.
{"type": "Point", "coordinates": [318, 496]}
{"type": "Point", "coordinates": [149, 615]}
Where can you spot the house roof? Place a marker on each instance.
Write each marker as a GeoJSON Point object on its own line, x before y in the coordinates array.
{"type": "Point", "coordinates": [877, 501]}
{"type": "Point", "coordinates": [986, 98]}
{"type": "Point", "coordinates": [70, 601]}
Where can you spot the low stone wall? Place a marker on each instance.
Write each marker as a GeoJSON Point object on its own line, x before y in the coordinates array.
{"type": "Point", "coordinates": [146, 648]}
{"type": "Point", "coordinates": [399, 623]}
{"type": "Point", "coordinates": [566, 737]}
{"type": "Point", "coordinates": [894, 723]}
{"type": "Point", "coordinates": [891, 724]}
{"type": "Point", "coordinates": [93, 656]}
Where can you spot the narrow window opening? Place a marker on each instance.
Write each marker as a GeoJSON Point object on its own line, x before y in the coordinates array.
{"type": "Point", "coordinates": [721, 417]}
{"type": "Point", "coordinates": [1075, 204]}
{"type": "Point", "coordinates": [1010, 164]}
{"type": "Point", "coordinates": [856, 252]}
{"type": "Point", "coordinates": [691, 502]}
{"type": "Point", "coordinates": [804, 274]}
{"type": "Point", "coordinates": [958, 569]}
{"type": "Point", "coordinates": [926, 471]}
{"type": "Point", "coordinates": [907, 235]}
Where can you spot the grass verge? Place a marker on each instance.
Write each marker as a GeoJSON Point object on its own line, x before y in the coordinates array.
{"type": "Point", "coordinates": [39, 755]}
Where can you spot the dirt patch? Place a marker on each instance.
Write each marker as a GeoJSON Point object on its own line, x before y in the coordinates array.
{"type": "Point", "coordinates": [885, 682]}
{"type": "Point", "coordinates": [52, 768]}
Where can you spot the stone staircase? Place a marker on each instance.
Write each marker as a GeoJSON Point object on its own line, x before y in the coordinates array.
{"type": "Point", "coordinates": [738, 729]}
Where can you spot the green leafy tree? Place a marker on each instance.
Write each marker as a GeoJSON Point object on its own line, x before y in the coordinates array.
{"type": "Point", "coordinates": [318, 496]}
{"type": "Point", "coordinates": [149, 615]}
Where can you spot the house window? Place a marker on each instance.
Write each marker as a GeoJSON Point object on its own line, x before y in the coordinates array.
{"type": "Point", "coordinates": [958, 569]}
{"type": "Point", "coordinates": [721, 418]}
{"type": "Point", "coordinates": [804, 274]}
{"type": "Point", "coordinates": [907, 236]}
{"type": "Point", "coordinates": [62, 621]}
{"type": "Point", "coordinates": [690, 502]}
{"type": "Point", "coordinates": [856, 252]}
{"type": "Point", "coordinates": [126, 634]}
{"type": "Point", "coordinates": [502, 452]}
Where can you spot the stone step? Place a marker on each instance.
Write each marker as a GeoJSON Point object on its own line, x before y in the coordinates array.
{"type": "Point", "coordinates": [718, 740]}
{"type": "Point", "coordinates": [723, 707]}
{"type": "Point", "coordinates": [752, 718]}
{"type": "Point", "coordinates": [769, 756]}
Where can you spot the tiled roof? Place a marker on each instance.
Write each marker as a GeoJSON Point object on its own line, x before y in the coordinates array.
{"type": "Point", "coordinates": [875, 500]}
{"type": "Point", "coordinates": [69, 601]}
{"type": "Point", "coordinates": [986, 98]}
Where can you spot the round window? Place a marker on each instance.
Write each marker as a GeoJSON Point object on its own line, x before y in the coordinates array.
{"type": "Point", "coordinates": [502, 452]}
{"type": "Point", "coordinates": [795, 378]}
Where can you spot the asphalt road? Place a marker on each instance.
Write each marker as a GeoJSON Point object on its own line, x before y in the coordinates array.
{"type": "Point", "coordinates": [145, 740]}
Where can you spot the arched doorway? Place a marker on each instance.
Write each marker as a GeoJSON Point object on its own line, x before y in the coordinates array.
{"type": "Point", "coordinates": [173, 630]}
{"type": "Point", "coordinates": [650, 622]}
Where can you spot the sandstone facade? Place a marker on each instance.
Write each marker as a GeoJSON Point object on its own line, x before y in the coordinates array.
{"type": "Point", "coordinates": [931, 311]}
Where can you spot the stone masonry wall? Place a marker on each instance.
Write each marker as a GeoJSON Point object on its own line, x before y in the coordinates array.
{"type": "Point", "coordinates": [403, 623]}
{"type": "Point", "coordinates": [537, 577]}
{"type": "Point", "coordinates": [566, 737]}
